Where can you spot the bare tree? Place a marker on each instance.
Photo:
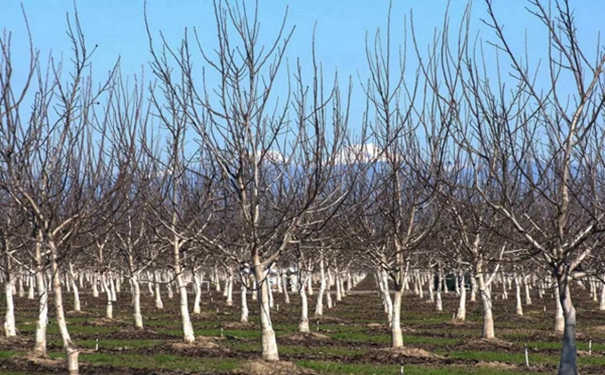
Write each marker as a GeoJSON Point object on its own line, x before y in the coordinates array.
{"type": "Point", "coordinates": [532, 148]}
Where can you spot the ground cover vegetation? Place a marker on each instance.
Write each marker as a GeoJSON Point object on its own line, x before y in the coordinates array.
{"type": "Point", "coordinates": [461, 181]}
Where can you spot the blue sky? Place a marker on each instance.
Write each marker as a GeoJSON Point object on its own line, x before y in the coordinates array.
{"type": "Point", "coordinates": [117, 27]}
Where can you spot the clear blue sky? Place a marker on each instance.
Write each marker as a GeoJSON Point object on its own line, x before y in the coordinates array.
{"type": "Point", "coordinates": [117, 27]}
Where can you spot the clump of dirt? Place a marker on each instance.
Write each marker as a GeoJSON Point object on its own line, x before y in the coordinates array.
{"type": "Point", "coordinates": [102, 322]}
{"type": "Point", "coordinates": [200, 343]}
{"type": "Point", "coordinates": [497, 365]}
{"type": "Point", "coordinates": [34, 364]}
{"type": "Point", "coordinates": [259, 367]}
{"type": "Point", "coordinates": [326, 319]}
{"type": "Point", "coordinates": [237, 325]}
{"type": "Point", "coordinates": [413, 353]}
{"type": "Point", "coordinates": [483, 344]}
{"type": "Point", "coordinates": [302, 337]}
{"type": "Point", "coordinates": [74, 313]}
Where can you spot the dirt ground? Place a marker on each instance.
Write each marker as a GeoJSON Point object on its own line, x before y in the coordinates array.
{"type": "Point", "coordinates": [353, 332]}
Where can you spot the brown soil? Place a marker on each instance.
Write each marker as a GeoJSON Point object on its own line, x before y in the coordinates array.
{"type": "Point", "coordinates": [259, 367]}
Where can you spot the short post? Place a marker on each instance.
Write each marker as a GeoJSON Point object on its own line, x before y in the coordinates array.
{"type": "Point", "coordinates": [222, 334]}
{"type": "Point", "coordinates": [401, 370]}
{"type": "Point", "coordinates": [278, 307]}
{"type": "Point", "coordinates": [217, 310]}
{"type": "Point", "coordinates": [317, 326]}
{"type": "Point", "coordinates": [526, 356]}
{"type": "Point", "coordinates": [97, 344]}
{"type": "Point", "coordinates": [590, 347]}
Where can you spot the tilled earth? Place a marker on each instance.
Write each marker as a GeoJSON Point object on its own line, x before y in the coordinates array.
{"type": "Point", "coordinates": [353, 332]}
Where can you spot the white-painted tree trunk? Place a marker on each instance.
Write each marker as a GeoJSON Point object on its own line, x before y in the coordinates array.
{"type": "Point", "coordinates": [268, 342]}
{"type": "Point", "coordinates": [319, 306]}
{"type": "Point", "coordinates": [254, 290]}
{"type": "Point", "coordinates": [284, 281]}
{"type": "Point", "coordinates": [526, 283]}
{"type": "Point", "coordinates": [386, 297]}
{"type": "Point", "coordinates": [229, 289]}
{"type": "Point", "coordinates": [188, 334]}
{"type": "Point", "coordinates": [159, 304]}
{"type": "Point", "coordinates": [244, 298]}
{"type": "Point", "coordinates": [70, 349]}
{"type": "Point", "coordinates": [438, 300]}
{"type": "Point", "coordinates": [396, 334]}
{"type": "Point", "coordinates": [31, 291]}
{"type": "Point", "coordinates": [109, 305]}
{"type": "Point", "coordinates": [568, 360]}
{"type": "Point", "coordinates": [42, 321]}
{"type": "Point", "coordinates": [10, 329]}
{"type": "Point", "coordinates": [303, 323]}
{"type": "Point", "coordinates": [74, 287]}
{"type": "Point", "coordinates": [473, 289]}
{"type": "Point", "coordinates": [602, 299]}
{"type": "Point", "coordinates": [338, 287]}
{"type": "Point", "coordinates": [488, 319]}
{"type": "Point", "coordinates": [461, 312]}
{"type": "Point", "coordinates": [197, 288]}
{"type": "Point", "coordinates": [95, 289]}
{"type": "Point", "coordinates": [559, 318]}
{"type": "Point", "coordinates": [310, 286]}
{"type": "Point", "coordinates": [112, 287]}
{"type": "Point", "coordinates": [136, 301]}
{"type": "Point", "coordinates": [20, 286]}
{"type": "Point", "coordinates": [519, 309]}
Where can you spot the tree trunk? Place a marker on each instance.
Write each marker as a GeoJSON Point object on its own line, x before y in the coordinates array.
{"type": "Point", "coordinates": [567, 364]}
{"type": "Point", "coordinates": [42, 322]}
{"type": "Point", "coordinates": [517, 280]}
{"type": "Point", "coordinates": [338, 288]}
{"type": "Point", "coordinates": [109, 306]}
{"type": "Point", "coordinates": [188, 334]}
{"type": "Point", "coordinates": [439, 302]}
{"type": "Point", "coordinates": [158, 295]}
{"type": "Point", "coordinates": [254, 290]}
{"type": "Point", "coordinates": [488, 319]}
{"type": "Point", "coordinates": [229, 289]}
{"type": "Point", "coordinates": [197, 288]}
{"type": "Point", "coordinates": [136, 301]}
{"type": "Point", "coordinates": [95, 289]}
{"type": "Point", "coordinates": [10, 330]}
{"type": "Point", "coordinates": [74, 287]}
{"type": "Point", "coordinates": [527, 290]}
{"type": "Point", "coordinates": [268, 342]}
{"type": "Point", "coordinates": [244, 297]}
{"type": "Point", "coordinates": [303, 323]}
{"type": "Point", "coordinates": [602, 300]}
{"type": "Point", "coordinates": [461, 312]}
{"type": "Point", "coordinates": [386, 297]}
{"type": "Point", "coordinates": [284, 282]}
{"type": "Point", "coordinates": [559, 317]}
{"type": "Point", "coordinates": [396, 334]}
{"type": "Point", "coordinates": [319, 307]}
{"type": "Point", "coordinates": [70, 349]}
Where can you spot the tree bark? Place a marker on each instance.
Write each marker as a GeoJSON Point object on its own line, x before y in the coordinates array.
{"type": "Point", "coordinates": [268, 342]}
{"type": "Point", "coordinates": [567, 364]}
{"type": "Point", "coordinates": [488, 319]}
{"type": "Point", "coordinates": [461, 312]}
{"type": "Point", "coordinates": [303, 323]}
{"type": "Point", "coordinates": [70, 349]}
{"type": "Point", "coordinates": [396, 334]}
{"type": "Point", "coordinates": [42, 321]}
{"type": "Point", "coordinates": [244, 297]}
{"type": "Point", "coordinates": [136, 301]}
{"type": "Point", "coordinates": [10, 330]}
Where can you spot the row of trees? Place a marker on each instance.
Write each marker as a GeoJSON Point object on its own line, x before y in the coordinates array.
{"type": "Point", "coordinates": [453, 168]}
